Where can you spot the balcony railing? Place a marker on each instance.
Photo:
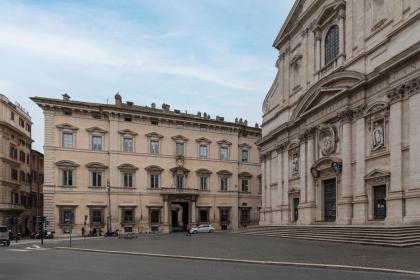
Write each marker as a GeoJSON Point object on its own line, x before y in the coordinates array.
{"type": "Point", "coordinates": [178, 191]}
{"type": "Point", "coordinates": [11, 206]}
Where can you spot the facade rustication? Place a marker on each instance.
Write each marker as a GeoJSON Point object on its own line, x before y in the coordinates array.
{"type": "Point", "coordinates": [146, 169]}
{"type": "Point", "coordinates": [340, 134]}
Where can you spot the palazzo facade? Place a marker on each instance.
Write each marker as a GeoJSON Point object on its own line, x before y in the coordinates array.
{"type": "Point", "coordinates": [341, 133]}
{"type": "Point", "coordinates": [146, 169]}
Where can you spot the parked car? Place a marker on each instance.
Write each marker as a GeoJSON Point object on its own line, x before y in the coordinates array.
{"type": "Point", "coordinates": [4, 236]}
{"type": "Point", "coordinates": [202, 228]}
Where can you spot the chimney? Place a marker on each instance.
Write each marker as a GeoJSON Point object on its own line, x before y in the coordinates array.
{"type": "Point", "coordinates": [166, 107]}
{"type": "Point", "coordinates": [66, 97]}
{"type": "Point", "coordinates": [118, 100]}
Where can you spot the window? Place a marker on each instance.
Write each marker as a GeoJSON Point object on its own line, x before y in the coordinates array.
{"type": "Point", "coordinates": [96, 143]}
{"type": "Point", "coordinates": [128, 144]}
{"type": "Point", "coordinates": [331, 44]}
{"type": "Point", "coordinates": [154, 216]}
{"type": "Point", "coordinates": [154, 181]}
{"type": "Point", "coordinates": [22, 176]}
{"type": "Point", "coordinates": [96, 178]}
{"type": "Point", "coordinates": [21, 122]}
{"type": "Point", "coordinates": [14, 174]}
{"type": "Point", "coordinates": [203, 151]}
{"type": "Point", "coordinates": [67, 216]}
{"type": "Point", "coordinates": [224, 215]}
{"type": "Point", "coordinates": [154, 147]}
{"type": "Point", "coordinates": [27, 158]}
{"type": "Point", "coordinates": [245, 217]}
{"type": "Point", "coordinates": [128, 179]}
{"type": "Point", "coordinates": [244, 155]}
{"type": "Point", "coordinates": [22, 156]}
{"type": "Point", "coordinates": [204, 215]}
{"type": "Point", "coordinates": [96, 216]}
{"type": "Point", "coordinates": [13, 152]}
{"type": "Point", "coordinates": [28, 127]}
{"type": "Point", "coordinates": [223, 184]}
{"type": "Point", "coordinates": [179, 181]}
{"type": "Point", "coordinates": [204, 183]}
{"type": "Point", "coordinates": [12, 116]}
{"type": "Point", "coordinates": [244, 185]}
{"type": "Point", "coordinates": [128, 216]}
{"type": "Point", "coordinates": [67, 177]}
{"type": "Point", "coordinates": [154, 122]}
{"type": "Point", "coordinates": [68, 140]}
{"type": "Point", "coordinates": [180, 149]}
{"type": "Point", "coordinates": [224, 153]}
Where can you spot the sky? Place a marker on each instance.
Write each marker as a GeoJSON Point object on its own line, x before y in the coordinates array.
{"type": "Point", "coordinates": [212, 56]}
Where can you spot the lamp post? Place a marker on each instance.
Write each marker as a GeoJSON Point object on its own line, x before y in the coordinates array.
{"type": "Point", "coordinates": [109, 227]}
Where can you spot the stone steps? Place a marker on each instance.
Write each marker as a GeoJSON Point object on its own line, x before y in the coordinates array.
{"type": "Point", "coordinates": [403, 236]}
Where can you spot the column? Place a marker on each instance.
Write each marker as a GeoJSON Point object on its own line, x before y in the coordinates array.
{"type": "Point", "coordinates": [193, 212]}
{"type": "Point", "coordinates": [269, 214]}
{"type": "Point", "coordinates": [394, 196]}
{"type": "Point", "coordinates": [286, 206]}
{"type": "Point", "coordinates": [317, 51]}
{"type": "Point", "coordinates": [263, 190]}
{"type": "Point", "coordinates": [412, 203]}
{"type": "Point", "coordinates": [345, 207]}
{"type": "Point", "coordinates": [341, 36]}
{"type": "Point", "coordinates": [310, 160]}
{"type": "Point", "coordinates": [304, 211]}
{"type": "Point", "coordinates": [165, 211]}
{"type": "Point", "coordinates": [279, 173]}
{"type": "Point", "coordinates": [360, 202]}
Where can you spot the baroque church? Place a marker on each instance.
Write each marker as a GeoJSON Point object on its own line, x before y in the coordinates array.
{"type": "Point", "coordinates": [341, 134]}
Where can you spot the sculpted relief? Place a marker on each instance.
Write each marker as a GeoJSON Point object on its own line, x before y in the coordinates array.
{"type": "Point", "coordinates": [327, 139]}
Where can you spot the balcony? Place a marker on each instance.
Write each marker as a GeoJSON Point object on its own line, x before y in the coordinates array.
{"type": "Point", "coordinates": [11, 206]}
{"type": "Point", "coordinates": [185, 191]}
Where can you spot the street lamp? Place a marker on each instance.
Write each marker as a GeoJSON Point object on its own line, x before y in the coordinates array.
{"type": "Point", "coordinates": [109, 227]}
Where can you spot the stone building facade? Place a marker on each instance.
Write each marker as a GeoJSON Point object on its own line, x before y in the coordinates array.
{"type": "Point", "coordinates": [341, 138]}
{"type": "Point", "coordinates": [146, 169]}
{"type": "Point", "coordinates": [18, 197]}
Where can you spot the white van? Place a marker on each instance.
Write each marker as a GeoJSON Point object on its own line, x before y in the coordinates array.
{"type": "Point", "coordinates": [4, 236]}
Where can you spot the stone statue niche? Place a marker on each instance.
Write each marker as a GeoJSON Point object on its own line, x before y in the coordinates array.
{"type": "Point", "coordinates": [378, 137]}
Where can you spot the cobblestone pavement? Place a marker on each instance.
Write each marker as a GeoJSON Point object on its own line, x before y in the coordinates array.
{"type": "Point", "coordinates": [226, 245]}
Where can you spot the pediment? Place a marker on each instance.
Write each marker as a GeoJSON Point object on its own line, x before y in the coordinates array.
{"type": "Point", "coordinates": [329, 12]}
{"type": "Point", "coordinates": [96, 129]}
{"type": "Point", "coordinates": [290, 21]}
{"type": "Point", "coordinates": [203, 140]}
{"type": "Point", "coordinates": [179, 138]}
{"type": "Point", "coordinates": [203, 172]}
{"type": "Point", "coordinates": [224, 173]}
{"type": "Point", "coordinates": [224, 142]}
{"type": "Point", "coordinates": [67, 163]}
{"type": "Point", "coordinates": [244, 146]}
{"type": "Point", "coordinates": [153, 168]}
{"type": "Point", "coordinates": [377, 173]}
{"type": "Point", "coordinates": [154, 135]}
{"type": "Point", "coordinates": [127, 132]}
{"type": "Point", "coordinates": [325, 90]}
{"type": "Point", "coordinates": [66, 126]}
{"type": "Point", "coordinates": [127, 166]}
{"type": "Point", "coordinates": [325, 163]}
{"type": "Point", "coordinates": [245, 175]}
{"type": "Point", "coordinates": [96, 165]}
{"type": "Point", "coordinates": [376, 107]}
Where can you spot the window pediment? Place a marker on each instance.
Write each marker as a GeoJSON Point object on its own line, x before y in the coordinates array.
{"type": "Point", "coordinates": [203, 172]}
{"type": "Point", "coordinates": [377, 173]}
{"type": "Point", "coordinates": [179, 170]}
{"type": "Point", "coordinates": [224, 142]}
{"type": "Point", "coordinates": [203, 140]}
{"type": "Point", "coordinates": [245, 146]}
{"type": "Point", "coordinates": [154, 135]}
{"type": "Point", "coordinates": [179, 138]}
{"type": "Point", "coordinates": [127, 132]}
{"type": "Point", "coordinates": [66, 163]}
{"type": "Point", "coordinates": [245, 175]}
{"type": "Point", "coordinates": [96, 129]}
{"type": "Point", "coordinates": [224, 173]}
{"type": "Point", "coordinates": [154, 168]}
{"type": "Point", "coordinates": [329, 13]}
{"type": "Point", "coordinates": [66, 126]}
{"type": "Point", "coordinates": [96, 165]}
{"type": "Point", "coordinates": [127, 167]}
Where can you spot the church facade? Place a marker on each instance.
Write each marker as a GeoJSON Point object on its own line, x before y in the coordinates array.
{"type": "Point", "coordinates": [340, 137]}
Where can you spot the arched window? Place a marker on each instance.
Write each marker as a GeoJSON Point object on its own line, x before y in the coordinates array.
{"type": "Point", "coordinates": [331, 44]}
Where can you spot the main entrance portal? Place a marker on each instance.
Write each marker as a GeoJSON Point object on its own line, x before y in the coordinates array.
{"type": "Point", "coordinates": [330, 192]}
{"type": "Point", "coordinates": [179, 216]}
{"type": "Point", "coordinates": [379, 203]}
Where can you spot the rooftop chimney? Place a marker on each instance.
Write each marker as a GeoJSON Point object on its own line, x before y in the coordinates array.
{"type": "Point", "coordinates": [166, 107]}
{"type": "Point", "coordinates": [66, 97]}
{"type": "Point", "coordinates": [118, 100]}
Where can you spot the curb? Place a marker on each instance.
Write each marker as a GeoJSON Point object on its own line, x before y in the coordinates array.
{"type": "Point", "coordinates": [242, 261]}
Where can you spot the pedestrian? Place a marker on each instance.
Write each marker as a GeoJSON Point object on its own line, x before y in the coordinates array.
{"type": "Point", "coordinates": [188, 230]}
{"type": "Point", "coordinates": [83, 232]}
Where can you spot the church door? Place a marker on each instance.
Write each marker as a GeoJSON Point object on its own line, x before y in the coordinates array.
{"type": "Point", "coordinates": [330, 200]}
{"type": "Point", "coordinates": [379, 202]}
